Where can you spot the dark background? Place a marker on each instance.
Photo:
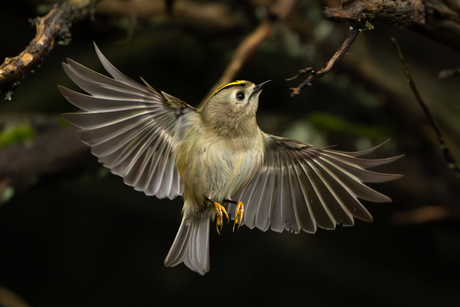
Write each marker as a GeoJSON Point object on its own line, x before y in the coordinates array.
{"type": "Point", "coordinates": [80, 237]}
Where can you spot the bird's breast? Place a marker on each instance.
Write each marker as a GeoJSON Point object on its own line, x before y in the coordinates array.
{"type": "Point", "coordinates": [217, 168]}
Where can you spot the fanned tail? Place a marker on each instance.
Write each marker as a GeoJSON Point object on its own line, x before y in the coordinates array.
{"type": "Point", "coordinates": [191, 244]}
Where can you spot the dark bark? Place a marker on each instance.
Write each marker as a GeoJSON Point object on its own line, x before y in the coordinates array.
{"type": "Point", "coordinates": [438, 20]}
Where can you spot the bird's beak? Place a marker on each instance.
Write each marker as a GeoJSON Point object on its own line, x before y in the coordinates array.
{"type": "Point", "coordinates": [258, 87]}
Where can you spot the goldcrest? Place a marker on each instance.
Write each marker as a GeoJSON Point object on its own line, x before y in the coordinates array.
{"type": "Point", "coordinates": [218, 159]}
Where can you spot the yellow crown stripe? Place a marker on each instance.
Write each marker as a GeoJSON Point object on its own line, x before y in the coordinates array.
{"type": "Point", "coordinates": [237, 82]}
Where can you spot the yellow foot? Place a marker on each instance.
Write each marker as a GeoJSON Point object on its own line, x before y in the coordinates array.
{"type": "Point", "coordinates": [220, 211]}
{"type": "Point", "coordinates": [239, 215]}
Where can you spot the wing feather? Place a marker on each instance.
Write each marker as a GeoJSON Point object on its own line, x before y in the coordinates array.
{"type": "Point", "coordinates": [302, 187]}
{"type": "Point", "coordinates": [302, 207]}
{"type": "Point", "coordinates": [130, 127]}
{"type": "Point", "coordinates": [277, 218]}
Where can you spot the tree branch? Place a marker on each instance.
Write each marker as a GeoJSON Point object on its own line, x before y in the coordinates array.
{"type": "Point", "coordinates": [51, 29]}
{"type": "Point", "coordinates": [437, 19]}
{"type": "Point", "coordinates": [447, 154]}
{"type": "Point", "coordinates": [352, 34]}
{"type": "Point", "coordinates": [395, 13]}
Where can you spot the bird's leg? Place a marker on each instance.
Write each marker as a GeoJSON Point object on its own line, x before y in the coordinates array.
{"type": "Point", "coordinates": [239, 213]}
{"type": "Point", "coordinates": [220, 211]}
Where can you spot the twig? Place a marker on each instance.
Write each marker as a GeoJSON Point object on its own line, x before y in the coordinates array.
{"type": "Point", "coordinates": [447, 155]}
{"type": "Point", "coordinates": [352, 34]}
{"type": "Point", "coordinates": [52, 28]}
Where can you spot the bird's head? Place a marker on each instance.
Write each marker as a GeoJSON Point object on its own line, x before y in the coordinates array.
{"type": "Point", "coordinates": [232, 104]}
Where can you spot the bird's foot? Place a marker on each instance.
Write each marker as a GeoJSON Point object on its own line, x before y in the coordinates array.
{"type": "Point", "coordinates": [238, 214]}
{"type": "Point", "coordinates": [220, 212]}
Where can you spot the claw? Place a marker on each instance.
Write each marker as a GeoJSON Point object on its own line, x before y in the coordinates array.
{"type": "Point", "coordinates": [220, 212]}
{"type": "Point", "coordinates": [238, 215]}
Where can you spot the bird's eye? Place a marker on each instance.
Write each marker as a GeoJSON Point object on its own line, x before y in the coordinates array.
{"type": "Point", "coordinates": [240, 96]}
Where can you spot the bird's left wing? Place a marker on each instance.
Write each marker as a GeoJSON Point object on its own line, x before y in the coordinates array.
{"type": "Point", "coordinates": [302, 187]}
{"type": "Point", "coordinates": [129, 126]}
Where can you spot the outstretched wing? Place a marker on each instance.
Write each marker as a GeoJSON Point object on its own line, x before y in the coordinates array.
{"type": "Point", "coordinates": [129, 126]}
{"type": "Point", "coordinates": [300, 186]}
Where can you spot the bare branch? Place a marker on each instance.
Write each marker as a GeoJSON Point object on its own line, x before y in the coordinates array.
{"type": "Point", "coordinates": [352, 34]}
{"type": "Point", "coordinates": [51, 29]}
{"type": "Point", "coordinates": [447, 155]}
{"type": "Point", "coordinates": [395, 13]}
{"type": "Point", "coordinates": [437, 19]}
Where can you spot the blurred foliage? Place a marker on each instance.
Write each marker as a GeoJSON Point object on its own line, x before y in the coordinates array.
{"type": "Point", "coordinates": [333, 123]}
{"type": "Point", "coordinates": [14, 133]}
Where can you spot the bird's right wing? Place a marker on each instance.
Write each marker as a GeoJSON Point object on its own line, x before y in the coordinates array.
{"type": "Point", "coordinates": [129, 126]}
{"type": "Point", "coordinates": [302, 187]}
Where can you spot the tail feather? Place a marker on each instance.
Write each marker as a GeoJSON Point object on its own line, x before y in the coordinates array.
{"type": "Point", "coordinates": [191, 244]}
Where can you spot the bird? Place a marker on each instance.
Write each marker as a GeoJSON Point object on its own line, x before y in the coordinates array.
{"type": "Point", "coordinates": [218, 159]}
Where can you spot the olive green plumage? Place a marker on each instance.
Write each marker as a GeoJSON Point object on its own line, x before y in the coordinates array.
{"type": "Point", "coordinates": [162, 146]}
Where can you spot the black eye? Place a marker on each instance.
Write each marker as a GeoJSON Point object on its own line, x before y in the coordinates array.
{"type": "Point", "coordinates": [240, 96]}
